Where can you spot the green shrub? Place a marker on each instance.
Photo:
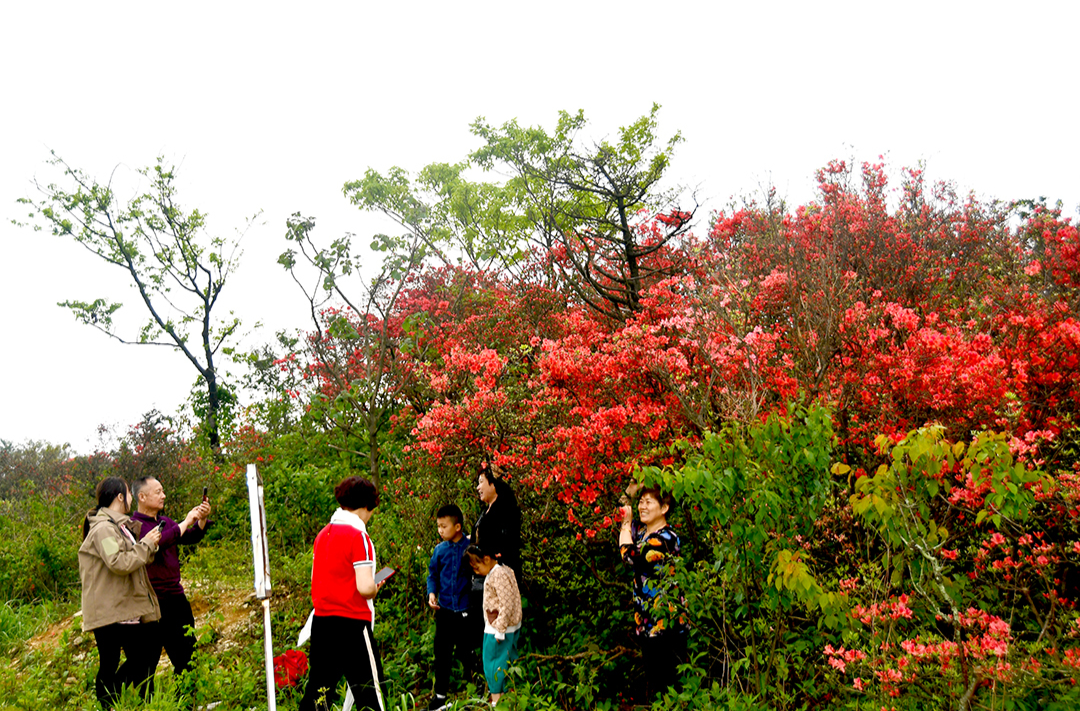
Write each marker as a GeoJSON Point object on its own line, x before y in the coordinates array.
{"type": "Point", "coordinates": [38, 551]}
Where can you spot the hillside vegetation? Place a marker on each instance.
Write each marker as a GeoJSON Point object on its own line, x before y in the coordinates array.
{"type": "Point", "coordinates": [865, 407]}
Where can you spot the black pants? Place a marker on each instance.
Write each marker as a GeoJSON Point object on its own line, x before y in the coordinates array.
{"type": "Point", "coordinates": [661, 657]}
{"type": "Point", "coordinates": [139, 664]}
{"type": "Point", "coordinates": [475, 627]}
{"type": "Point", "coordinates": [173, 635]}
{"type": "Point", "coordinates": [339, 647]}
{"type": "Point", "coordinates": [454, 639]}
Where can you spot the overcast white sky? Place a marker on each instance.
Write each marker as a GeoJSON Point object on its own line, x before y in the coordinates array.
{"type": "Point", "coordinates": [273, 109]}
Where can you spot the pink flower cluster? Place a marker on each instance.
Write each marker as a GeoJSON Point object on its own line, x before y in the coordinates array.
{"type": "Point", "coordinates": [892, 610]}
{"type": "Point", "coordinates": [985, 648]}
{"type": "Point", "coordinates": [840, 658]}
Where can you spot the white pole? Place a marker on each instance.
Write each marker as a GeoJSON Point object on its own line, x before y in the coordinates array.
{"type": "Point", "coordinates": [258, 534]}
{"type": "Point", "coordinates": [261, 556]}
{"type": "Point", "coordinates": [271, 690]}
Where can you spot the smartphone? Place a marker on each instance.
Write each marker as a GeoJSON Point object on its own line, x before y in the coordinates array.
{"type": "Point", "coordinates": [383, 575]}
{"type": "Point", "coordinates": [161, 526]}
{"type": "Point", "coordinates": [205, 491]}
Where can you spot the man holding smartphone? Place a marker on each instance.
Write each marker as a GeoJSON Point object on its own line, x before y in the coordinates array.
{"type": "Point", "coordinates": [164, 571]}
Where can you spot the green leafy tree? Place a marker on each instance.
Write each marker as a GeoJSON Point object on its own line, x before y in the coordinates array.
{"type": "Point", "coordinates": [600, 208]}
{"type": "Point", "coordinates": [599, 211]}
{"type": "Point", "coordinates": [752, 498]}
{"type": "Point", "coordinates": [356, 349]}
{"type": "Point", "coordinates": [178, 269]}
{"type": "Point", "coordinates": [452, 220]}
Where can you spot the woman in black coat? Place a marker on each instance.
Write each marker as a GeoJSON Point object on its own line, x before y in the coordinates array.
{"type": "Point", "coordinates": [498, 530]}
{"type": "Point", "coordinates": [498, 533]}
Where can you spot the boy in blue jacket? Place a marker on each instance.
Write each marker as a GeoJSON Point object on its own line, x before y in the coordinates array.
{"type": "Point", "coordinates": [448, 595]}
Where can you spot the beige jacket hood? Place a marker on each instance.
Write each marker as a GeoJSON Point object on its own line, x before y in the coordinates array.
{"type": "Point", "coordinates": [115, 586]}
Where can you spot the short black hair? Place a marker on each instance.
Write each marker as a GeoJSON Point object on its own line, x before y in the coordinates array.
{"type": "Point", "coordinates": [665, 498]}
{"type": "Point", "coordinates": [356, 492]}
{"type": "Point", "coordinates": [139, 484]}
{"type": "Point", "coordinates": [451, 511]}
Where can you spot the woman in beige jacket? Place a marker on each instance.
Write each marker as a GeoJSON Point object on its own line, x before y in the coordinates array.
{"type": "Point", "coordinates": [118, 604]}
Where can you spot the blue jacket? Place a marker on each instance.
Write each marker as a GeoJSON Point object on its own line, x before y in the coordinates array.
{"type": "Point", "coordinates": [446, 578]}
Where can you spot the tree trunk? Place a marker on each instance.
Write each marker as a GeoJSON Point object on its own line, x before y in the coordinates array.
{"type": "Point", "coordinates": [213, 404]}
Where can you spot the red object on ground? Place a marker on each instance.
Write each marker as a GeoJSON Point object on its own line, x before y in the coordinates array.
{"type": "Point", "coordinates": [290, 668]}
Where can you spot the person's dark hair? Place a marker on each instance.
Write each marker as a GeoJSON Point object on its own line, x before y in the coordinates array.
{"type": "Point", "coordinates": [475, 554]}
{"type": "Point", "coordinates": [107, 491]}
{"type": "Point", "coordinates": [502, 489]}
{"type": "Point", "coordinates": [665, 498]}
{"type": "Point", "coordinates": [451, 511]}
{"type": "Point", "coordinates": [140, 484]}
{"type": "Point", "coordinates": [356, 492]}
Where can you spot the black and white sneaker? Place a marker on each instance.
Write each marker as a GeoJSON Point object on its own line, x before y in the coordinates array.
{"type": "Point", "coordinates": [437, 703]}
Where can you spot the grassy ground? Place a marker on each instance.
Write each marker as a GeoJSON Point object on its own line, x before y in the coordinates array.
{"type": "Point", "coordinates": [47, 662]}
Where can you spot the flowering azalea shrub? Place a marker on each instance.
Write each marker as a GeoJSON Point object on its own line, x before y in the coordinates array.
{"type": "Point", "coordinates": [866, 407]}
{"type": "Point", "coordinates": [899, 308]}
{"type": "Point", "coordinates": [927, 312]}
{"type": "Point", "coordinates": [968, 594]}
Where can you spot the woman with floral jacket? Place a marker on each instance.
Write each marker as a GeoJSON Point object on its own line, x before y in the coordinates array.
{"type": "Point", "coordinates": [651, 548]}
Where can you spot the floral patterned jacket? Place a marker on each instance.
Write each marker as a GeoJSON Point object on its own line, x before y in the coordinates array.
{"type": "Point", "coordinates": [502, 602]}
{"type": "Point", "coordinates": [652, 559]}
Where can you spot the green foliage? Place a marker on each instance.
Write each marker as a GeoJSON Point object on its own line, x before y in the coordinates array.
{"type": "Point", "coordinates": [753, 495]}
{"type": "Point", "coordinates": [164, 252]}
{"type": "Point", "coordinates": [299, 501]}
{"type": "Point", "coordinates": [37, 679]}
{"type": "Point", "coordinates": [353, 351]}
{"type": "Point", "coordinates": [774, 531]}
{"type": "Point", "coordinates": [586, 202]}
{"type": "Point", "coordinates": [273, 380]}
{"type": "Point", "coordinates": [38, 556]}
{"type": "Point", "coordinates": [901, 502]}
{"type": "Point", "coordinates": [31, 468]}
{"type": "Point", "coordinates": [153, 447]}
{"type": "Point", "coordinates": [583, 201]}
{"type": "Point", "coordinates": [19, 622]}
{"type": "Point", "coordinates": [970, 531]}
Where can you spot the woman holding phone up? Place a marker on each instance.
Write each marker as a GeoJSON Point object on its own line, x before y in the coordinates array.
{"type": "Point", "coordinates": [650, 547]}
{"type": "Point", "coordinates": [118, 604]}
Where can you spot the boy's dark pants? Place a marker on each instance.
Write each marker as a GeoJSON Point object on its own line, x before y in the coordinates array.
{"type": "Point", "coordinates": [455, 638]}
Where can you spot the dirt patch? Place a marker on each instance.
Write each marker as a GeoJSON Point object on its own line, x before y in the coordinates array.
{"type": "Point", "coordinates": [48, 642]}
{"type": "Point", "coordinates": [229, 613]}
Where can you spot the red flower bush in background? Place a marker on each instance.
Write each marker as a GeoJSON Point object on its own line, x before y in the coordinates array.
{"type": "Point", "coordinates": [898, 316]}
{"type": "Point", "coordinates": [887, 378]}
